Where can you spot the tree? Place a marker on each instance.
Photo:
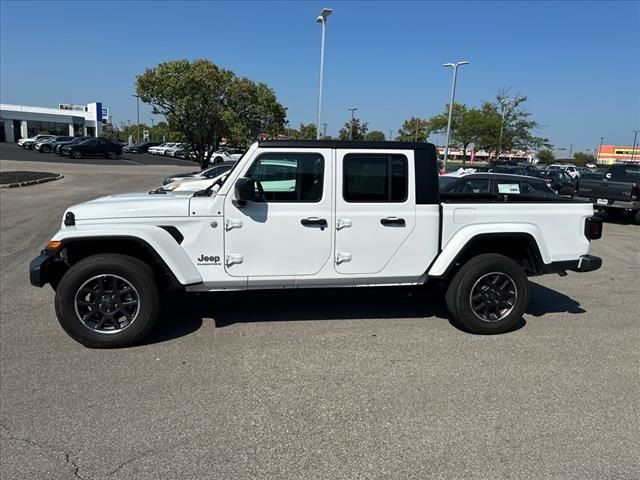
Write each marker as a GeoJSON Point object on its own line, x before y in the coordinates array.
{"type": "Point", "coordinates": [375, 136]}
{"type": "Point", "coordinates": [581, 158]}
{"type": "Point", "coordinates": [467, 125]}
{"type": "Point", "coordinates": [204, 103]}
{"type": "Point", "coordinates": [305, 132]}
{"type": "Point", "coordinates": [353, 130]}
{"type": "Point", "coordinates": [546, 156]}
{"type": "Point", "coordinates": [414, 130]}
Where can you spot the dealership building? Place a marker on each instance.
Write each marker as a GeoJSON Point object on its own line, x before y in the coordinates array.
{"type": "Point", "coordinates": [22, 121]}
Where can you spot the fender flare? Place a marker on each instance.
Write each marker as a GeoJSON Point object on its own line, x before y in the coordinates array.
{"type": "Point", "coordinates": [158, 241]}
{"type": "Point", "coordinates": [466, 236]}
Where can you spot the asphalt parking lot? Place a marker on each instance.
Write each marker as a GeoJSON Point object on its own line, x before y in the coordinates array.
{"type": "Point", "coordinates": [349, 384]}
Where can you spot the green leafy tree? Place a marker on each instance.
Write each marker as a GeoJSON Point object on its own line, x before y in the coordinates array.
{"type": "Point", "coordinates": [546, 156]}
{"type": "Point", "coordinates": [467, 126]}
{"type": "Point", "coordinates": [204, 103]}
{"type": "Point", "coordinates": [353, 130]}
{"type": "Point", "coordinates": [414, 130]}
{"type": "Point", "coordinates": [305, 132]}
{"type": "Point", "coordinates": [581, 158]}
{"type": "Point", "coordinates": [375, 136]}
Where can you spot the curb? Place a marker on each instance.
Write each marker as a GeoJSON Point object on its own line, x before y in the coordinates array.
{"type": "Point", "coordinates": [31, 182]}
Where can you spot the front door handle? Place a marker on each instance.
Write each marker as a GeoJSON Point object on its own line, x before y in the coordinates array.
{"type": "Point", "coordinates": [314, 222]}
{"type": "Point", "coordinates": [393, 222]}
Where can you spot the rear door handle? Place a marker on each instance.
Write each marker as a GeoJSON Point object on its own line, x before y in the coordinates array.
{"type": "Point", "coordinates": [393, 222]}
{"type": "Point", "coordinates": [314, 222]}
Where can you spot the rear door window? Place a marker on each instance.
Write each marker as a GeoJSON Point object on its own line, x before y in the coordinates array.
{"type": "Point", "coordinates": [375, 178]}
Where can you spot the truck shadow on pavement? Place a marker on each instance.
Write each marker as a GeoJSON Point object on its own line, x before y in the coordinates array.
{"type": "Point", "coordinates": [184, 314]}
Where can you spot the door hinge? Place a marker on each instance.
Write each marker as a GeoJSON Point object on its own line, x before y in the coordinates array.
{"type": "Point", "coordinates": [232, 259]}
{"type": "Point", "coordinates": [343, 223]}
{"type": "Point", "coordinates": [230, 224]}
{"type": "Point", "coordinates": [342, 257]}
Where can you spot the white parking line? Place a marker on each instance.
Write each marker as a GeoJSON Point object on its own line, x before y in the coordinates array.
{"type": "Point", "coordinates": [133, 162]}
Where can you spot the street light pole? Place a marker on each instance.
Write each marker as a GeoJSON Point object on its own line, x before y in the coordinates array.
{"type": "Point", "coordinates": [151, 132]}
{"type": "Point", "coordinates": [599, 148]}
{"type": "Point", "coordinates": [417, 128]}
{"type": "Point", "coordinates": [390, 134]}
{"type": "Point", "coordinates": [633, 149]}
{"type": "Point", "coordinates": [453, 94]}
{"type": "Point", "coordinates": [138, 111]}
{"type": "Point", "coordinates": [502, 102]}
{"type": "Point", "coordinates": [351, 129]}
{"type": "Point", "coordinates": [322, 18]}
{"type": "Point", "coordinates": [324, 130]}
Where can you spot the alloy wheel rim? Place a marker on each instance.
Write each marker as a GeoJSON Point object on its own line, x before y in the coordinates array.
{"type": "Point", "coordinates": [107, 304]}
{"type": "Point", "coordinates": [493, 297]}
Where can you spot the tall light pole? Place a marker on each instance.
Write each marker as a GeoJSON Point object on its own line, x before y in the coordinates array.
{"type": "Point", "coordinates": [599, 148]}
{"type": "Point", "coordinates": [633, 149]}
{"type": "Point", "coordinates": [351, 129]}
{"type": "Point", "coordinates": [453, 95]}
{"type": "Point", "coordinates": [417, 128]}
{"type": "Point", "coordinates": [390, 135]}
{"type": "Point", "coordinates": [324, 130]}
{"type": "Point", "coordinates": [322, 18]}
{"type": "Point", "coordinates": [502, 103]}
{"type": "Point", "coordinates": [151, 132]}
{"type": "Point", "coordinates": [138, 111]}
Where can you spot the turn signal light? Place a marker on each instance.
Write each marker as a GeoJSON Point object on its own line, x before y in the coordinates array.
{"type": "Point", "coordinates": [54, 245]}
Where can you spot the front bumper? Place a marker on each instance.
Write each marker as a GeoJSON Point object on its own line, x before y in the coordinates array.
{"type": "Point", "coordinates": [45, 268]}
{"type": "Point", "coordinates": [586, 263]}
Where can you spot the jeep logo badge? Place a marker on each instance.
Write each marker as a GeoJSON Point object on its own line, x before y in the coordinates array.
{"type": "Point", "coordinates": [208, 260]}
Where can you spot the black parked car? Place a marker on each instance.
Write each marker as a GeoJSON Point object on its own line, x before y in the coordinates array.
{"type": "Point", "coordinates": [46, 145]}
{"type": "Point", "coordinates": [140, 147]}
{"type": "Point", "coordinates": [57, 146]}
{"type": "Point", "coordinates": [499, 184]}
{"type": "Point", "coordinates": [560, 182]}
{"type": "Point", "coordinates": [93, 147]}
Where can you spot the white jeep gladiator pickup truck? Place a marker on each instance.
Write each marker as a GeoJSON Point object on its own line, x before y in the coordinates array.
{"type": "Point", "coordinates": [297, 214]}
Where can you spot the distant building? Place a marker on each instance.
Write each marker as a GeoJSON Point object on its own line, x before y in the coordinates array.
{"type": "Point", "coordinates": [22, 121]}
{"type": "Point", "coordinates": [608, 154]}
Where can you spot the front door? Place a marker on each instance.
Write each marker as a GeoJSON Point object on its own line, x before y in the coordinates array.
{"type": "Point", "coordinates": [286, 231]}
{"type": "Point", "coordinates": [375, 209]}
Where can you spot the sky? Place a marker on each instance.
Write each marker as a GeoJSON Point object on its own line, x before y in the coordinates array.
{"type": "Point", "coordinates": [577, 62]}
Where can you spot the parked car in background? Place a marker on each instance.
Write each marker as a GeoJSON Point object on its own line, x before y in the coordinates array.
{"type": "Point", "coordinates": [171, 151]}
{"type": "Point", "coordinates": [27, 143]}
{"type": "Point", "coordinates": [616, 192]}
{"type": "Point", "coordinates": [159, 149]}
{"type": "Point", "coordinates": [207, 173]}
{"type": "Point", "coordinates": [183, 152]}
{"type": "Point", "coordinates": [560, 182]}
{"type": "Point", "coordinates": [139, 147]}
{"type": "Point", "coordinates": [93, 147]}
{"type": "Point", "coordinates": [57, 146]}
{"type": "Point", "coordinates": [46, 145]}
{"type": "Point", "coordinates": [571, 170]}
{"type": "Point", "coordinates": [500, 184]}
{"type": "Point", "coordinates": [226, 154]}
{"type": "Point", "coordinates": [515, 169]}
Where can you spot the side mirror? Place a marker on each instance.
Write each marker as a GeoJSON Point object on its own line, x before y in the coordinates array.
{"type": "Point", "coordinates": [244, 191]}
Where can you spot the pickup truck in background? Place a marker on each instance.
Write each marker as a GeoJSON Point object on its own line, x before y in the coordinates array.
{"type": "Point", "coordinates": [309, 214]}
{"type": "Point", "coordinates": [617, 192]}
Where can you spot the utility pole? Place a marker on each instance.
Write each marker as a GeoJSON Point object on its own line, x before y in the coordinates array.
{"type": "Point", "coordinates": [351, 129]}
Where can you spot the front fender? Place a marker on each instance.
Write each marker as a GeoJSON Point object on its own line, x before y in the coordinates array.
{"type": "Point", "coordinates": [466, 234]}
{"type": "Point", "coordinates": [156, 238]}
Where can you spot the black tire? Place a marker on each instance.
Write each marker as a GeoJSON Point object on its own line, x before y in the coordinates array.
{"type": "Point", "coordinates": [76, 154]}
{"type": "Point", "coordinates": [105, 267]}
{"type": "Point", "coordinates": [112, 155]}
{"type": "Point", "coordinates": [45, 149]}
{"type": "Point", "coordinates": [636, 217]}
{"type": "Point", "coordinates": [470, 278]}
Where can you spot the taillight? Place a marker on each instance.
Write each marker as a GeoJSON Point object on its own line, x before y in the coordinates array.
{"type": "Point", "coordinates": [593, 228]}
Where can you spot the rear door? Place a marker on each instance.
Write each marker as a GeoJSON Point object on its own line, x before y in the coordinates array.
{"type": "Point", "coordinates": [375, 208]}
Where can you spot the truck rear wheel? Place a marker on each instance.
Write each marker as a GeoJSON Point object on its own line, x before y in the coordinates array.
{"type": "Point", "coordinates": [488, 294]}
{"type": "Point", "coordinates": [107, 301]}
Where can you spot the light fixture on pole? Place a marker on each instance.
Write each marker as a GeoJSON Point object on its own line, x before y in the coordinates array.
{"type": "Point", "coordinates": [453, 95]}
{"type": "Point", "coordinates": [633, 149]}
{"type": "Point", "coordinates": [322, 18]}
{"type": "Point", "coordinates": [502, 103]}
{"type": "Point", "coordinates": [138, 110]}
{"type": "Point", "coordinates": [351, 127]}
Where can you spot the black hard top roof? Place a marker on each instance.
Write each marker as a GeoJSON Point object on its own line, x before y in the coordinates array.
{"type": "Point", "coordinates": [350, 144]}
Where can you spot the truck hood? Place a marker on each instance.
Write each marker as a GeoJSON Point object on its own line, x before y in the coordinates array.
{"type": "Point", "coordinates": [134, 205]}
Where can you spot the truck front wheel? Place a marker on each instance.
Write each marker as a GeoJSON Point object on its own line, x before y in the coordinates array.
{"type": "Point", "coordinates": [488, 294]}
{"type": "Point", "coordinates": [107, 300]}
